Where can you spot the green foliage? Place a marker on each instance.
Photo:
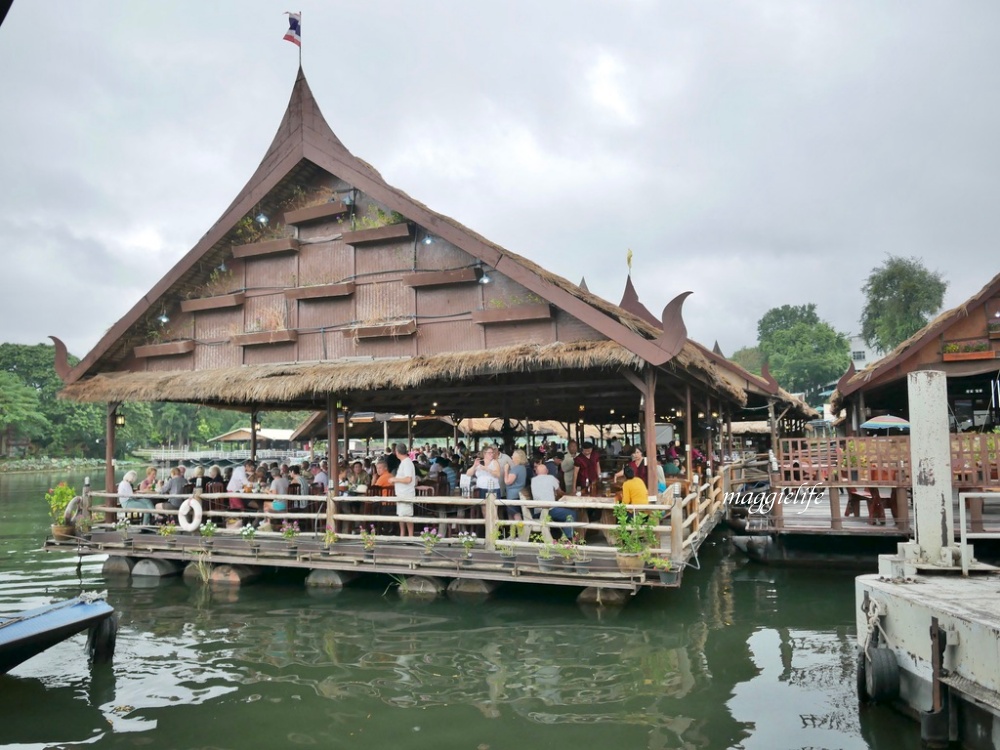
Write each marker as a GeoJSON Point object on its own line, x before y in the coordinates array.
{"type": "Point", "coordinates": [376, 217]}
{"type": "Point", "coordinates": [19, 409]}
{"type": "Point", "coordinates": [58, 499]}
{"type": "Point", "coordinates": [750, 358]}
{"type": "Point", "coordinates": [635, 532]}
{"type": "Point", "coordinates": [807, 355]}
{"type": "Point", "coordinates": [779, 319]}
{"type": "Point", "coordinates": [900, 296]}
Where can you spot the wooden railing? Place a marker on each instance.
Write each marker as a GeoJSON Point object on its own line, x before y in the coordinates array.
{"type": "Point", "coordinates": [881, 461]}
{"type": "Point", "coordinates": [684, 519]}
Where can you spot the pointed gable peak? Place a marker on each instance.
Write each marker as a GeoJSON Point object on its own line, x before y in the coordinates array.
{"type": "Point", "coordinates": [583, 284]}
{"type": "Point", "coordinates": [630, 302]}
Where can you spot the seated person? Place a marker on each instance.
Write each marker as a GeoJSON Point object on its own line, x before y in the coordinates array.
{"type": "Point", "coordinates": [127, 499]}
{"type": "Point", "coordinates": [357, 478]}
{"type": "Point", "coordinates": [175, 488]}
{"type": "Point", "coordinates": [672, 467]}
{"type": "Point", "coordinates": [448, 470]}
{"type": "Point", "coordinates": [545, 488]}
{"type": "Point", "coordinates": [279, 486]}
{"type": "Point", "coordinates": [383, 477]}
{"type": "Point", "coordinates": [149, 483]}
{"type": "Point", "coordinates": [634, 489]}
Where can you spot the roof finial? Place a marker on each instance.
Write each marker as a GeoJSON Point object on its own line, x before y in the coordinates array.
{"type": "Point", "coordinates": [628, 260]}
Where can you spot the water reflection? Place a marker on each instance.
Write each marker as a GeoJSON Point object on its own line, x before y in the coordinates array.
{"type": "Point", "coordinates": [741, 656]}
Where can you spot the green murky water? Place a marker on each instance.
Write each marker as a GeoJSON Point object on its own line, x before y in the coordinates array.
{"type": "Point", "coordinates": [743, 656]}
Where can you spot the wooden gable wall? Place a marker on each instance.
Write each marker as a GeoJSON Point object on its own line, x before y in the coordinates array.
{"type": "Point", "coordinates": [335, 293]}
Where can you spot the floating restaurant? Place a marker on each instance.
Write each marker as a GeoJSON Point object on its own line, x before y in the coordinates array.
{"type": "Point", "coordinates": [323, 288]}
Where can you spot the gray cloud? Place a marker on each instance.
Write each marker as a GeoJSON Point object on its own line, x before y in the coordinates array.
{"type": "Point", "coordinates": [756, 153]}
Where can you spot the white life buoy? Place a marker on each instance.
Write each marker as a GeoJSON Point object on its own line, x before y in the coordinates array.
{"type": "Point", "coordinates": [74, 505]}
{"type": "Point", "coordinates": [192, 506]}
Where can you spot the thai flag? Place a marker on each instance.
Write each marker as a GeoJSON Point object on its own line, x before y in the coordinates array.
{"type": "Point", "coordinates": [294, 34]}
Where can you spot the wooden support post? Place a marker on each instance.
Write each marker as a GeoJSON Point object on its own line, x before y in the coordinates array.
{"type": "Point", "coordinates": [409, 432]}
{"type": "Point", "coordinates": [334, 476]}
{"type": "Point", "coordinates": [85, 503]}
{"type": "Point", "coordinates": [772, 422]}
{"type": "Point", "coordinates": [836, 521]}
{"type": "Point", "coordinates": [253, 435]}
{"type": "Point", "coordinates": [649, 429]}
{"type": "Point", "coordinates": [109, 452]}
{"type": "Point", "coordinates": [332, 417]}
{"type": "Point", "coordinates": [677, 526]}
{"type": "Point", "coordinates": [331, 508]}
{"type": "Point", "coordinates": [778, 513]}
{"type": "Point", "coordinates": [491, 519]}
{"type": "Point", "coordinates": [687, 431]}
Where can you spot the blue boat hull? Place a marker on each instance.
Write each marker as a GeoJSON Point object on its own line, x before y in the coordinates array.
{"type": "Point", "coordinates": [28, 633]}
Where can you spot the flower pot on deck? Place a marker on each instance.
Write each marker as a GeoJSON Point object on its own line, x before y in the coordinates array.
{"type": "Point", "coordinates": [629, 563]}
{"type": "Point", "coordinates": [62, 532]}
{"type": "Point", "coordinates": [583, 567]}
{"type": "Point", "coordinates": [669, 577]}
{"type": "Point", "coordinates": [546, 564]}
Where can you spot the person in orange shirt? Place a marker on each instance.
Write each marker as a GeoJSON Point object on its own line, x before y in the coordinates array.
{"type": "Point", "coordinates": [634, 489]}
{"type": "Point", "coordinates": [383, 478]}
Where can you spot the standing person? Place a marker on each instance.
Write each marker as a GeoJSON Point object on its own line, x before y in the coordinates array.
{"type": "Point", "coordinates": [515, 480]}
{"type": "Point", "coordinates": [405, 483]}
{"type": "Point", "coordinates": [588, 469]}
{"type": "Point", "coordinates": [569, 467]}
{"type": "Point", "coordinates": [487, 473]}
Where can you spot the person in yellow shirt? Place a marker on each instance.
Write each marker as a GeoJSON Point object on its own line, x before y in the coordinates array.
{"type": "Point", "coordinates": [634, 491]}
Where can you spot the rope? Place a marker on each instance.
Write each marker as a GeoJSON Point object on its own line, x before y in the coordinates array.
{"type": "Point", "coordinates": [85, 598]}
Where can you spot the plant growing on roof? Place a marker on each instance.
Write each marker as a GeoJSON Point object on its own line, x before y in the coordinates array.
{"type": "Point", "coordinates": [951, 348]}
{"type": "Point", "coordinates": [376, 217]}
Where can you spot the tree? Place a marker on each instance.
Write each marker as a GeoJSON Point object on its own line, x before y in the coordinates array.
{"type": "Point", "coordinates": [901, 295]}
{"type": "Point", "coordinates": [783, 318]}
{"type": "Point", "coordinates": [750, 358]}
{"type": "Point", "coordinates": [806, 356]}
{"type": "Point", "coordinates": [19, 411]}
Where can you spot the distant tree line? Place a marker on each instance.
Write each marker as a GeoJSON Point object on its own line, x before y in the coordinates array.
{"type": "Point", "coordinates": [804, 353]}
{"type": "Point", "coordinates": [34, 421]}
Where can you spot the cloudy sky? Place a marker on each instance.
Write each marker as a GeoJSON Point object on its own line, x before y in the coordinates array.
{"type": "Point", "coordinates": [757, 153]}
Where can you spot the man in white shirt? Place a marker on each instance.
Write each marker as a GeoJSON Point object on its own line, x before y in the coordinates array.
{"type": "Point", "coordinates": [545, 488]}
{"type": "Point", "coordinates": [321, 477]}
{"type": "Point", "coordinates": [405, 483]}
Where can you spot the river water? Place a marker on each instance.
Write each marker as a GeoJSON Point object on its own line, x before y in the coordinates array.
{"type": "Point", "coordinates": [743, 656]}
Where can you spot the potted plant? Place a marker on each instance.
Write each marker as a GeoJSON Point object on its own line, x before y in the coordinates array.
{"type": "Point", "coordinates": [368, 541]}
{"type": "Point", "coordinates": [167, 531]}
{"type": "Point", "coordinates": [207, 531]}
{"type": "Point", "coordinates": [122, 526]}
{"type": "Point", "coordinates": [567, 551]}
{"type": "Point", "coordinates": [330, 538]}
{"type": "Point", "coordinates": [545, 562]}
{"type": "Point", "coordinates": [249, 535]}
{"type": "Point", "coordinates": [582, 558]}
{"type": "Point", "coordinates": [430, 538]}
{"type": "Point", "coordinates": [468, 540]}
{"type": "Point", "coordinates": [669, 575]}
{"type": "Point", "coordinates": [59, 498]}
{"type": "Point", "coordinates": [507, 554]}
{"type": "Point", "coordinates": [632, 538]}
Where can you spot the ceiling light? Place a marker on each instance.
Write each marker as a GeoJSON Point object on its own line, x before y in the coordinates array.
{"type": "Point", "coordinates": [222, 267]}
{"type": "Point", "coordinates": [485, 278]}
{"type": "Point", "coordinates": [261, 218]}
{"type": "Point", "coordinates": [164, 319]}
{"type": "Point", "coordinates": [428, 239]}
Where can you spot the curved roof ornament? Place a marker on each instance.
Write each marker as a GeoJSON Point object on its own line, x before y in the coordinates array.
{"type": "Point", "coordinates": [850, 373]}
{"type": "Point", "coordinates": [674, 334]}
{"type": "Point", "coordinates": [772, 384]}
{"type": "Point", "coordinates": [62, 359]}
{"type": "Point", "coordinates": [630, 303]}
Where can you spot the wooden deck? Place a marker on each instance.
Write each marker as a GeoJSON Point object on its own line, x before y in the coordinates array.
{"type": "Point", "coordinates": [685, 523]}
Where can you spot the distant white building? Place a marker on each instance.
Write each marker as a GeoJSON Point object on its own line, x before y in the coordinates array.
{"type": "Point", "coordinates": [862, 355]}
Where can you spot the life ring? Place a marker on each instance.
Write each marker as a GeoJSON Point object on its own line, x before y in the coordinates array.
{"type": "Point", "coordinates": [194, 507]}
{"type": "Point", "coordinates": [71, 510]}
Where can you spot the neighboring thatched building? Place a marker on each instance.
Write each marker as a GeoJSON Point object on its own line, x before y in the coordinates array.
{"type": "Point", "coordinates": [322, 287]}
{"type": "Point", "coordinates": [962, 342]}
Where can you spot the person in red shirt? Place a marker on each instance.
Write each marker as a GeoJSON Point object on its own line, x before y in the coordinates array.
{"type": "Point", "coordinates": [588, 464]}
{"type": "Point", "coordinates": [638, 464]}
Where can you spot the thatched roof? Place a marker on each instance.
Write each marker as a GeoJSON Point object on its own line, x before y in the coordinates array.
{"type": "Point", "coordinates": [283, 383]}
{"type": "Point", "coordinates": [897, 357]}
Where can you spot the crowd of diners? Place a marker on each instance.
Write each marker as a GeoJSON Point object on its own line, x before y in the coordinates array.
{"type": "Point", "coordinates": [551, 472]}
